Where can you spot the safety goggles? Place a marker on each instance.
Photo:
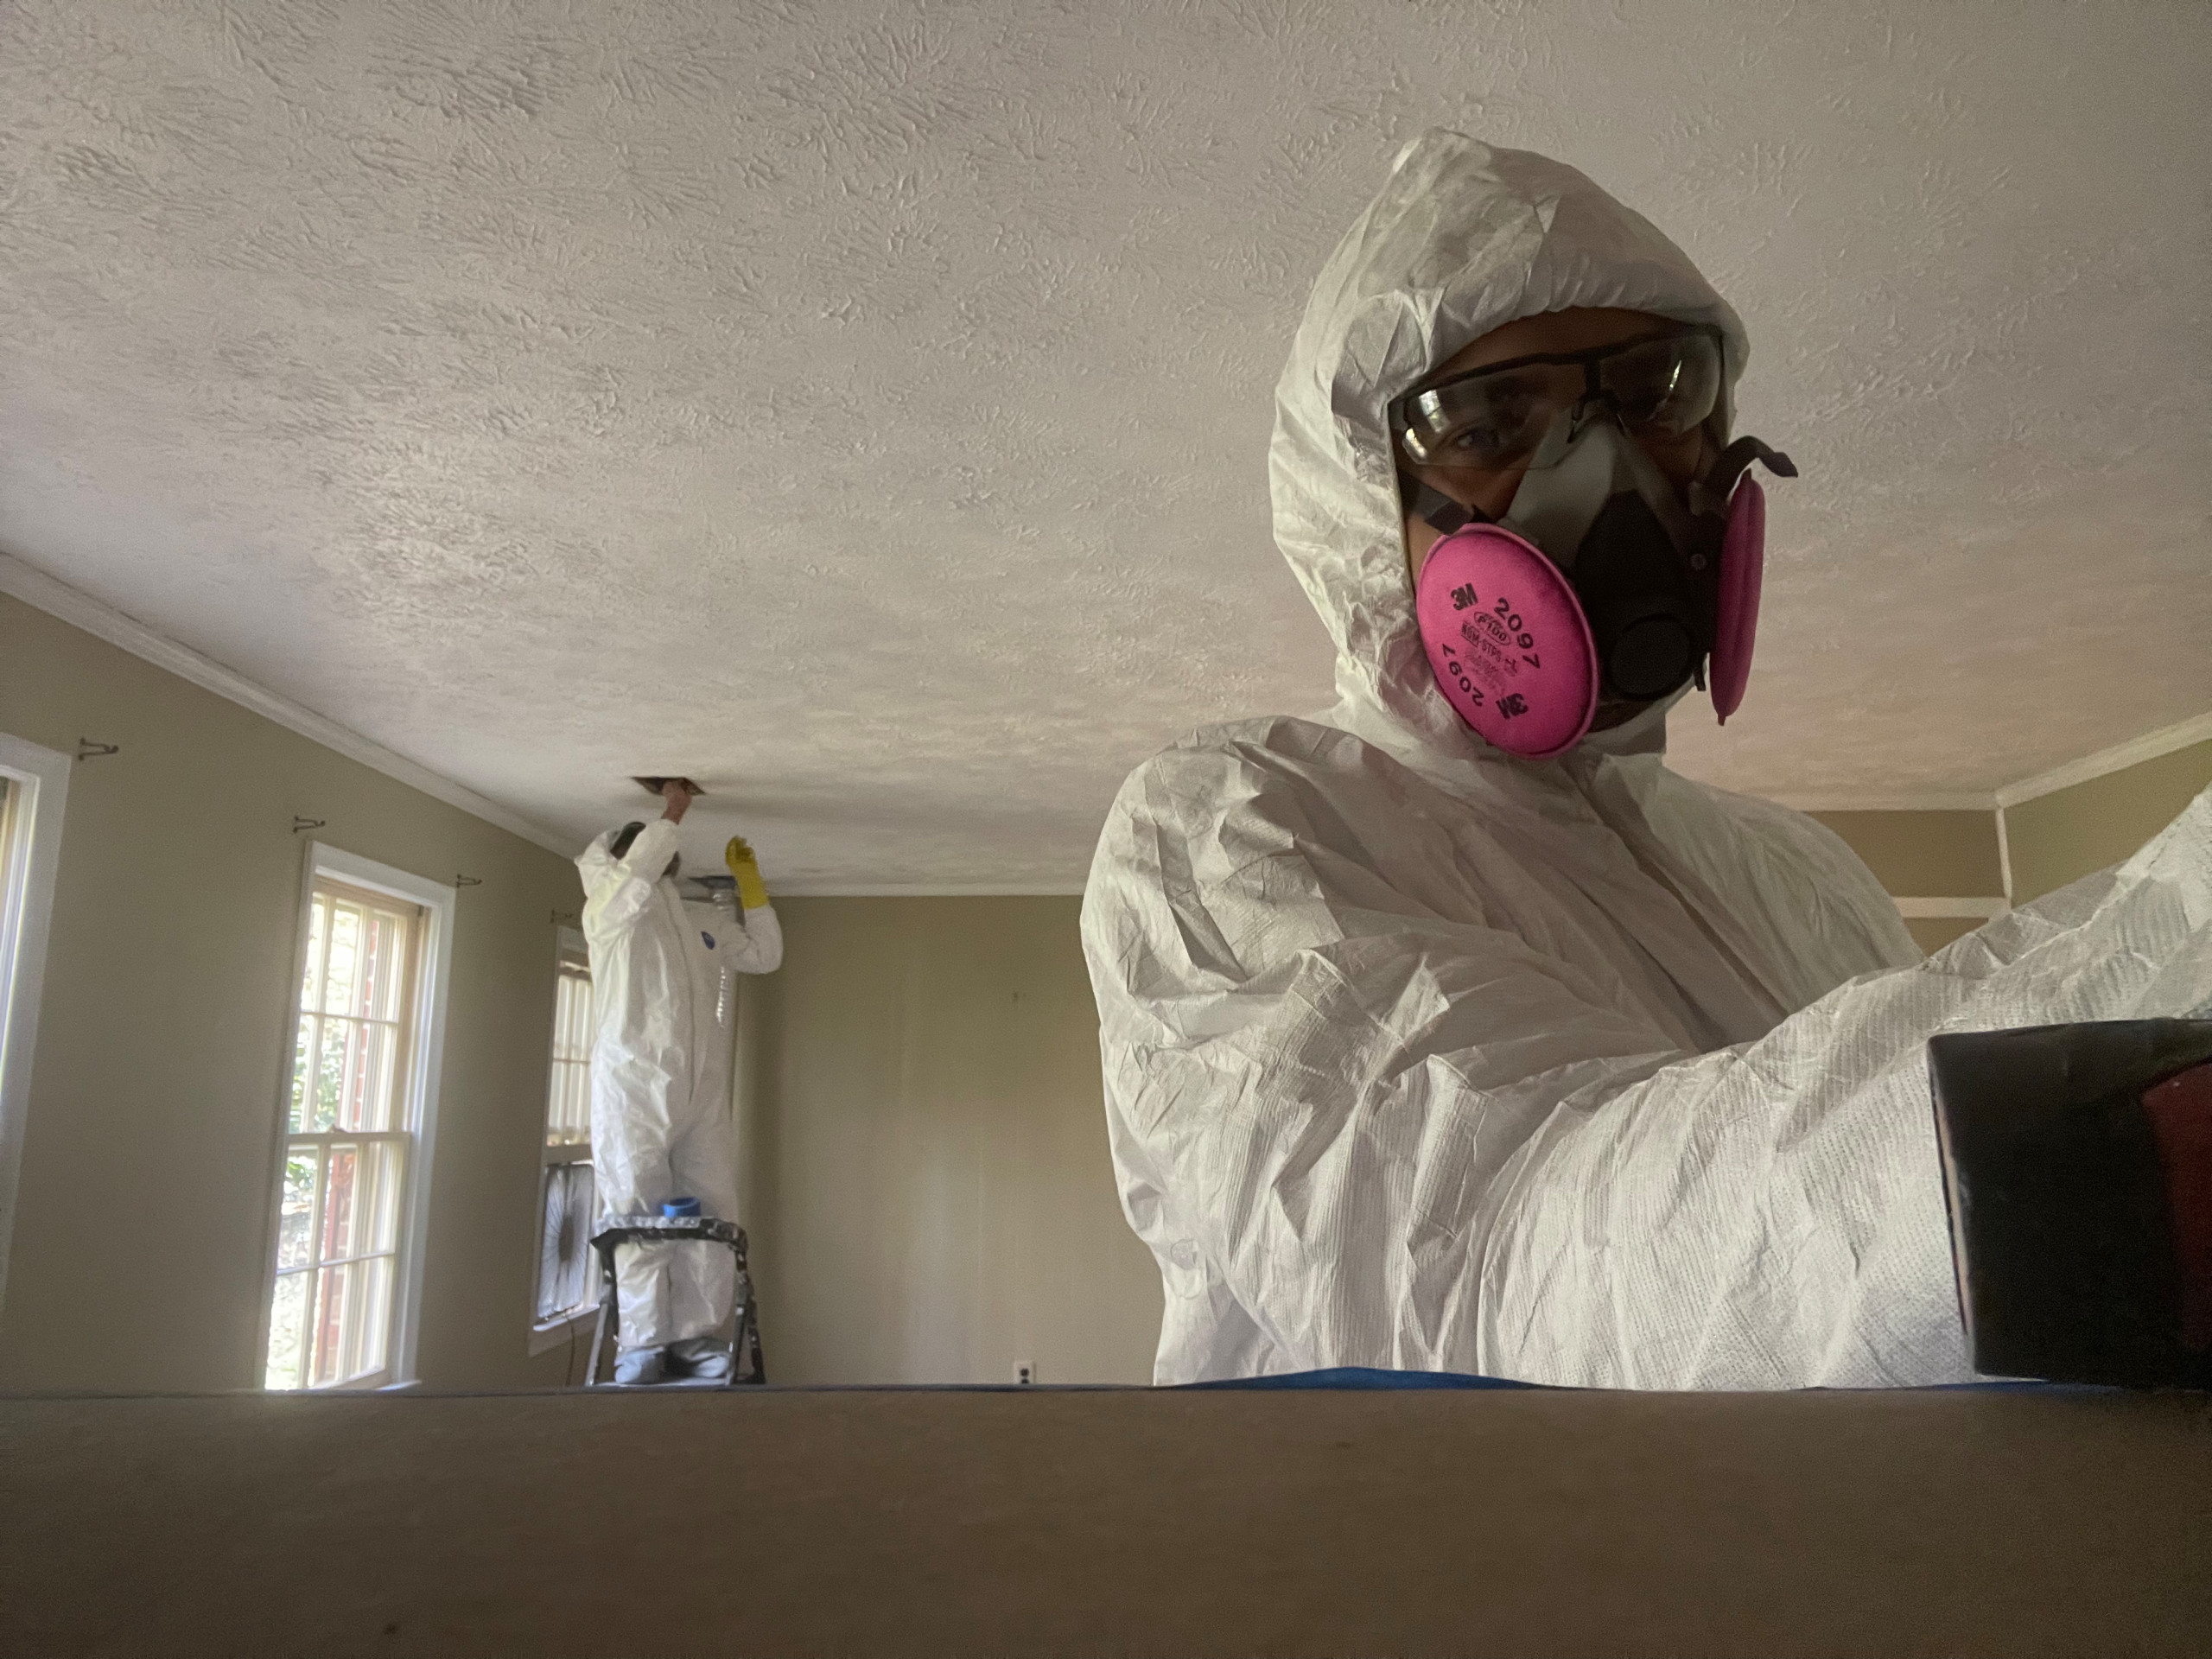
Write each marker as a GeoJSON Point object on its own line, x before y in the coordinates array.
{"type": "Point", "coordinates": [1491, 419]}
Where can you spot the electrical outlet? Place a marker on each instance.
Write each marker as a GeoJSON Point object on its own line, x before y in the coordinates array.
{"type": "Point", "coordinates": [1025, 1372]}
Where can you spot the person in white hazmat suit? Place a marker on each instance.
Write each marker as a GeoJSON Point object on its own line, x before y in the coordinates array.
{"type": "Point", "coordinates": [1421, 1054]}
{"type": "Point", "coordinates": [661, 1103]}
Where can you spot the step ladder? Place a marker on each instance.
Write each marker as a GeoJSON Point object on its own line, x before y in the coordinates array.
{"type": "Point", "coordinates": [747, 1366]}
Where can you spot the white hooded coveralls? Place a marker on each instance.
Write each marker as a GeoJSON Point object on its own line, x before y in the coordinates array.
{"type": "Point", "coordinates": [660, 1105]}
{"type": "Point", "coordinates": [1418, 1055]}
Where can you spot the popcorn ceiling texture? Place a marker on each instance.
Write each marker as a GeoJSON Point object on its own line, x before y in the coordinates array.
{"type": "Point", "coordinates": [863, 408]}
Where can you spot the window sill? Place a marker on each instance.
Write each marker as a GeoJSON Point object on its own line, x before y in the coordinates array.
{"type": "Point", "coordinates": [559, 1333]}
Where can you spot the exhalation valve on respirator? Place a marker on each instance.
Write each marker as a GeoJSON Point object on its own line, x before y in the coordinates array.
{"type": "Point", "coordinates": [1598, 582]}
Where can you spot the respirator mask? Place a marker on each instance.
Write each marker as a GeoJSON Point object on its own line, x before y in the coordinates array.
{"type": "Point", "coordinates": [1598, 581]}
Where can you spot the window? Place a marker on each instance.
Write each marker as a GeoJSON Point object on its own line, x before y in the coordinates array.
{"type": "Point", "coordinates": [360, 1093]}
{"type": "Point", "coordinates": [568, 1279]}
{"type": "Point", "coordinates": [33, 783]}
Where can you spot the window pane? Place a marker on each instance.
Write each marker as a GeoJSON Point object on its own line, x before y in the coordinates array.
{"type": "Point", "coordinates": [384, 1169]}
{"type": "Point", "coordinates": [376, 954]}
{"type": "Point", "coordinates": [386, 1081]}
{"type": "Point", "coordinates": [318, 926]}
{"type": "Point", "coordinates": [567, 1106]}
{"type": "Point", "coordinates": [329, 1076]}
{"type": "Point", "coordinates": [387, 965]}
{"type": "Point", "coordinates": [304, 1057]}
{"type": "Point", "coordinates": [372, 1334]}
{"type": "Point", "coordinates": [370, 1098]}
{"type": "Point", "coordinates": [295, 1208]}
{"type": "Point", "coordinates": [360, 1206]}
{"type": "Point", "coordinates": [354, 1101]}
{"type": "Point", "coordinates": [572, 1018]}
{"type": "Point", "coordinates": [568, 1113]}
{"type": "Point", "coordinates": [345, 970]}
{"type": "Point", "coordinates": [340, 1185]}
{"type": "Point", "coordinates": [287, 1331]}
{"type": "Point", "coordinates": [353, 1309]}
{"type": "Point", "coordinates": [333, 1299]}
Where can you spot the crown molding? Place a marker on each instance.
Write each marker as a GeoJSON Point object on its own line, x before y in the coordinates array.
{"type": "Point", "coordinates": [2105, 762]}
{"type": "Point", "coordinates": [102, 620]}
{"type": "Point", "coordinates": [1981, 803]}
{"type": "Point", "coordinates": [1986, 908]}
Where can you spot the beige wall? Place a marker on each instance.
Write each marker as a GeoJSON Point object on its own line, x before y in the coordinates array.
{"type": "Point", "coordinates": [1932, 855]}
{"type": "Point", "coordinates": [930, 1194]}
{"type": "Point", "coordinates": [2051, 840]}
{"type": "Point", "coordinates": [1932, 933]}
{"type": "Point", "coordinates": [1925, 855]}
{"type": "Point", "coordinates": [142, 1222]}
{"type": "Point", "coordinates": [2070, 833]}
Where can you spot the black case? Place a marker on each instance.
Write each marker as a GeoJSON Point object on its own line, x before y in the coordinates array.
{"type": "Point", "coordinates": [2061, 1228]}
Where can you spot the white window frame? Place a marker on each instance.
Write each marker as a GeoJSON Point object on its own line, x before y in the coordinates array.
{"type": "Point", "coordinates": [546, 1335]}
{"type": "Point", "coordinates": [29, 865]}
{"type": "Point", "coordinates": [426, 1058]}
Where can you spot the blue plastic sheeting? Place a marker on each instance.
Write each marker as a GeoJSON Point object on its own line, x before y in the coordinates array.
{"type": "Point", "coordinates": [1365, 1376]}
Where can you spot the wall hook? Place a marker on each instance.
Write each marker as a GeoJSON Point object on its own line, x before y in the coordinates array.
{"type": "Point", "coordinates": [569, 917]}
{"type": "Point", "coordinates": [300, 823]}
{"type": "Point", "coordinates": [88, 750]}
{"type": "Point", "coordinates": [468, 880]}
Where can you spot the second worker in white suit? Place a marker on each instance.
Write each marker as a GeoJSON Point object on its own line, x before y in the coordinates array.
{"type": "Point", "coordinates": [660, 1099]}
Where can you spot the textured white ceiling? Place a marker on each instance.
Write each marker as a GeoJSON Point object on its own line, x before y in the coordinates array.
{"type": "Point", "coordinates": [863, 407]}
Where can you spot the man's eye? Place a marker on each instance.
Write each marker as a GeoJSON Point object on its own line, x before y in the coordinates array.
{"type": "Point", "coordinates": [1643, 403]}
{"type": "Point", "coordinates": [1475, 441]}
{"type": "Point", "coordinates": [1500, 425]}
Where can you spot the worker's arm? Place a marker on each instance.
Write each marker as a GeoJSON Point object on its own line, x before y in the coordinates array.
{"type": "Point", "coordinates": [755, 948]}
{"type": "Point", "coordinates": [1391, 1134]}
{"type": "Point", "coordinates": [617, 890]}
{"type": "Point", "coordinates": [758, 948]}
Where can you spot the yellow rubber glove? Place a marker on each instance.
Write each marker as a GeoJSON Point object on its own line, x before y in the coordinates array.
{"type": "Point", "coordinates": [751, 891]}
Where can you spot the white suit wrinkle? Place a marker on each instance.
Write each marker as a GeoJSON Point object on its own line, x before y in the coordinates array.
{"type": "Point", "coordinates": [1419, 1055]}
{"type": "Point", "coordinates": [660, 1107]}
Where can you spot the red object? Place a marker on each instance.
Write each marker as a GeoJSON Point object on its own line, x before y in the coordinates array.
{"type": "Point", "coordinates": [2180, 1110]}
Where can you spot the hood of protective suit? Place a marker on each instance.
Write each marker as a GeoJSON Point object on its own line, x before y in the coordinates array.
{"type": "Point", "coordinates": [1462, 238]}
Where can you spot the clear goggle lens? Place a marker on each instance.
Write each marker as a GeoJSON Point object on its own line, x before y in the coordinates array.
{"type": "Point", "coordinates": [1492, 420]}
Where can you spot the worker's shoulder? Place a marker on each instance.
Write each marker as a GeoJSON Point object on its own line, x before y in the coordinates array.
{"type": "Point", "coordinates": [1228, 804]}
{"type": "Point", "coordinates": [1241, 762]}
{"type": "Point", "coordinates": [1768, 835]}
{"type": "Point", "coordinates": [1766, 821]}
{"type": "Point", "coordinates": [1264, 744]}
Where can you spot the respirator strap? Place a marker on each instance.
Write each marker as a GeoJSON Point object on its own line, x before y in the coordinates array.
{"type": "Point", "coordinates": [1437, 510]}
{"type": "Point", "coordinates": [1710, 494]}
